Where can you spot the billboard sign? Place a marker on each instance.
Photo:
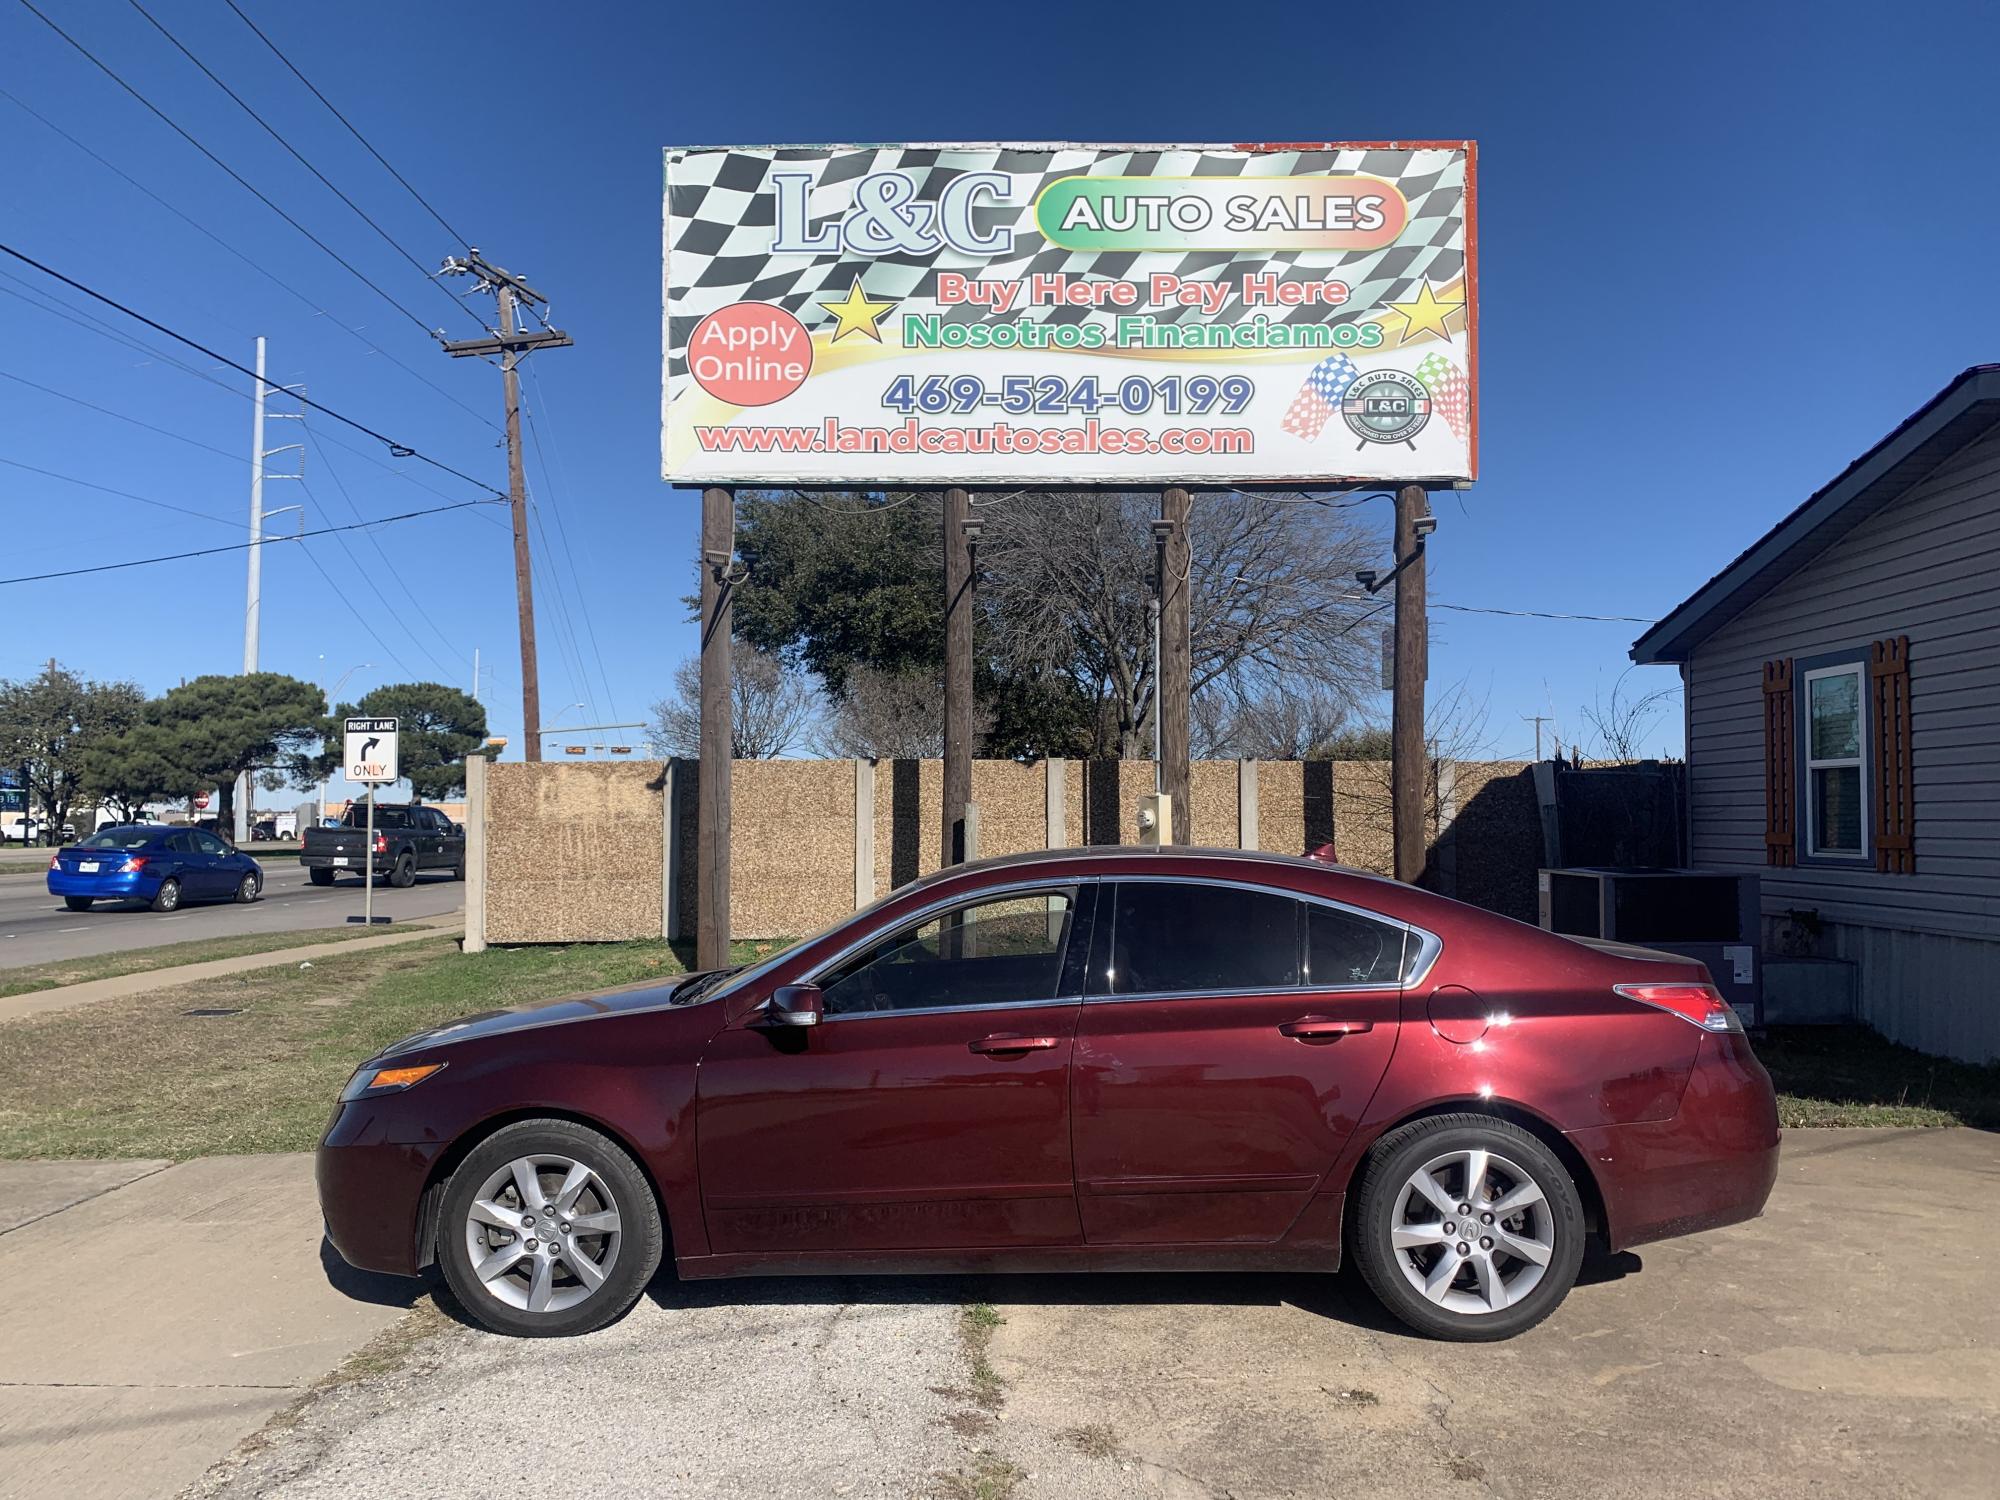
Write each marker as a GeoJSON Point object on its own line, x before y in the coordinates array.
{"type": "Point", "coordinates": [1055, 314]}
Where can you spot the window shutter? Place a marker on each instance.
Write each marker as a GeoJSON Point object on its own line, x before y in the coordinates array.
{"type": "Point", "coordinates": [1781, 844]}
{"type": "Point", "coordinates": [1895, 786]}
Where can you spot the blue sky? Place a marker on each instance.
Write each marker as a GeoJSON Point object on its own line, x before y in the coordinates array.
{"type": "Point", "coordinates": [1723, 250]}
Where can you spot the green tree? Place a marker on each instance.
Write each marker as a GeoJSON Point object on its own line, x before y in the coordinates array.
{"type": "Point", "coordinates": [438, 727]}
{"type": "Point", "coordinates": [213, 729]}
{"type": "Point", "coordinates": [49, 725]}
{"type": "Point", "coordinates": [130, 769]}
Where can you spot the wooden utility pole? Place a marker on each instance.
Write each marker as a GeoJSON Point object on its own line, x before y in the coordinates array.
{"type": "Point", "coordinates": [1406, 722]}
{"type": "Point", "coordinates": [1175, 687]}
{"type": "Point", "coordinates": [511, 344]}
{"type": "Point", "coordinates": [718, 530]}
{"type": "Point", "coordinates": [958, 603]}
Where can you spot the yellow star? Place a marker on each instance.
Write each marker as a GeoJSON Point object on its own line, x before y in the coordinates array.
{"type": "Point", "coordinates": [857, 314]}
{"type": "Point", "coordinates": [1425, 315]}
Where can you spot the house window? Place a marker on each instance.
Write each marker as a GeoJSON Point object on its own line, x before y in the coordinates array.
{"type": "Point", "coordinates": [1836, 761]}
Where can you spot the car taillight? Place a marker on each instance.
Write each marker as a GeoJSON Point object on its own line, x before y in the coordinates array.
{"type": "Point", "coordinates": [55, 861]}
{"type": "Point", "coordinates": [1700, 1004]}
{"type": "Point", "coordinates": [381, 843]}
{"type": "Point", "coordinates": [133, 865]}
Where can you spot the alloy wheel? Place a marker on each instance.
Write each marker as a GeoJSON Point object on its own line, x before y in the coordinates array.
{"type": "Point", "coordinates": [543, 1233]}
{"type": "Point", "coordinates": [1472, 1231]}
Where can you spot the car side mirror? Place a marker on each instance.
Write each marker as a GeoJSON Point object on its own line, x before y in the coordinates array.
{"type": "Point", "coordinates": [795, 1005]}
{"type": "Point", "coordinates": [458, 828]}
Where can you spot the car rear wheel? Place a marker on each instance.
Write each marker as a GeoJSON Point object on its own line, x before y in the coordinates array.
{"type": "Point", "coordinates": [548, 1228]}
{"type": "Point", "coordinates": [1467, 1227]}
{"type": "Point", "coordinates": [404, 873]}
{"type": "Point", "coordinates": [247, 889]}
{"type": "Point", "coordinates": [77, 903]}
{"type": "Point", "coordinates": [319, 876]}
{"type": "Point", "coordinates": [168, 896]}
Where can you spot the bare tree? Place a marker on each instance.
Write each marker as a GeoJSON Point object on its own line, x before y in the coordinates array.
{"type": "Point", "coordinates": [1067, 577]}
{"type": "Point", "coordinates": [891, 716]}
{"type": "Point", "coordinates": [770, 709]}
{"type": "Point", "coordinates": [1623, 723]}
{"type": "Point", "coordinates": [1276, 721]}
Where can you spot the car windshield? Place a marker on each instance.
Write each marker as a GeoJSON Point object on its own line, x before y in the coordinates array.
{"type": "Point", "coordinates": [119, 838]}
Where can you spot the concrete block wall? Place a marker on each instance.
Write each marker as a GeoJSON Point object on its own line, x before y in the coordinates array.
{"type": "Point", "coordinates": [600, 851]}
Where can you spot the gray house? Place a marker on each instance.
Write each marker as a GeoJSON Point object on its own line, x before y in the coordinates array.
{"type": "Point", "coordinates": [1843, 722]}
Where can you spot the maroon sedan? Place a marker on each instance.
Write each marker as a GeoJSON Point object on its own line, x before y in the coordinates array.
{"type": "Point", "coordinates": [1101, 1059]}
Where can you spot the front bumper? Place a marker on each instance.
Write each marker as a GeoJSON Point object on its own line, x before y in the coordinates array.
{"type": "Point", "coordinates": [371, 1192]}
{"type": "Point", "coordinates": [137, 886]}
{"type": "Point", "coordinates": [1712, 1164]}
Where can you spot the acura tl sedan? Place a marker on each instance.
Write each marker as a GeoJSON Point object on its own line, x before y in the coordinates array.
{"type": "Point", "coordinates": [1093, 1059]}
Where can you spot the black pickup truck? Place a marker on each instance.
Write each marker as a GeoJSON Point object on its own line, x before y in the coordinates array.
{"type": "Point", "coordinates": [409, 839]}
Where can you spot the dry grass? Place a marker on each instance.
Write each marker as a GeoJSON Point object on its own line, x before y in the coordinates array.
{"type": "Point", "coordinates": [60, 972]}
{"type": "Point", "coordinates": [140, 1077]}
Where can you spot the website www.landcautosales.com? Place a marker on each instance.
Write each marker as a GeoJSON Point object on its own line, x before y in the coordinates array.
{"type": "Point", "coordinates": [912, 436]}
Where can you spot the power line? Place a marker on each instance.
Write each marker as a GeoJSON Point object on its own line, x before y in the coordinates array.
{"type": "Point", "coordinates": [238, 177]}
{"type": "Point", "coordinates": [415, 601]}
{"type": "Point", "coordinates": [360, 619]}
{"type": "Point", "coordinates": [198, 515]}
{"type": "Point", "coordinates": [254, 265]}
{"type": "Point", "coordinates": [299, 156]}
{"type": "Point", "coordinates": [396, 449]}
{"type": "Point", "coordinates": [120, 416]}
{"type": "Point", "coordinates": [461, 239]}
{"type": "Point", "coordinates": [141, 562]}
{"type": "Point", "coordinates": [1542, 614]}
{"type": "Point", "coordinates": [562, 529]}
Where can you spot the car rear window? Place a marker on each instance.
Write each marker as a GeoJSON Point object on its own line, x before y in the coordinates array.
{"type": "Point", "coordinates": [119, 838]}
{"type": "Point", "coordinates": [1168, 937]}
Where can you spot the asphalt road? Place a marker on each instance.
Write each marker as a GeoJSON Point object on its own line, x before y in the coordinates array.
{"type": "Point", "coordinates": [1846, 1344]}
{"type": "Point", "coordinates": [36, 927]}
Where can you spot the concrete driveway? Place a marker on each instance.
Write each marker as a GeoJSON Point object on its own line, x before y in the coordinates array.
{"type": "Point", "coordinates": [1845, 1344]}
{"type": "Point", "coordinates": [36, 927]}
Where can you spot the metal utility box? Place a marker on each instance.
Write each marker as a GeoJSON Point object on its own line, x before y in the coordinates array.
{"type": "Point", "coordinates": [1704, 914]}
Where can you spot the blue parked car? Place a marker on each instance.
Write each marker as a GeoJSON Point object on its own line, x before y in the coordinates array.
{"type": "Point", "coordinates": [155, 864]}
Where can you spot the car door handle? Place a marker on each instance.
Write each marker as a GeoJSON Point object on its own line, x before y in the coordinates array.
{"type": "Point", "coordinates": [1323, 1028]}
{"type": "Point", "coordinates": [1007, 1041]}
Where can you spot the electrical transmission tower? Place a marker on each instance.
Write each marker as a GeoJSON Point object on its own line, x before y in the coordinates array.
{"type": "Point", "coordinates": [511, 344]}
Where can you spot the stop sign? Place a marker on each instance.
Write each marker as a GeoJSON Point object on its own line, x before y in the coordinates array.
{"type": "Point", "coordinates": [201, 802]}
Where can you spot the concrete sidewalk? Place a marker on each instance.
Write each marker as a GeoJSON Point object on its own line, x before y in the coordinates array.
{"type": "Point", "coordinates": [145, 981]}
{"type": "Point", "coordinates": [160, 1314]}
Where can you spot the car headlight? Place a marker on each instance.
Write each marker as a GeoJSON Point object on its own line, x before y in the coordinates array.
{"type": "Point", "coordinates": [370, 1082]}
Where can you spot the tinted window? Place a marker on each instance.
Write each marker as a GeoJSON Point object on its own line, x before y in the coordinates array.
{"type": "Point", "coordinates": [119, 838]}
{"type": "Point", "coordinates": [1342, 948]}
{"type": "Point", "coordinates": [182, 843]}
{"type": "Point", "coordinates": [1167, 937]}
{"type": "Point", "coordinates": [1004, 951]}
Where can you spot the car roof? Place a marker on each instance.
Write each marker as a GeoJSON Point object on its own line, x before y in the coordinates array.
{"type": "Point", "coordinates": [1142, 858]}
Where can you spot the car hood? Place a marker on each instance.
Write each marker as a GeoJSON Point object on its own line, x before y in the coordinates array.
{"type": "Point", "coordinates": [489, 1023]}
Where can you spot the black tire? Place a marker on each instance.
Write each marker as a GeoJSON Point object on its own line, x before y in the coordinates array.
{"type": "Point", "coordinates": [403, 874]}
{"type": "Point", "coordinates": [1394, 1163]}
{"type": "Point", "coordinates": [168, 896]}
{"type": "Point", "coordinates": [641, 1243]}
{"type": "Point", "coordinates": [247, 889]}
{"type": "Point", "coordinates": [319, 876]}
{"type": "Point", "coordinates": [458, 870]}
{"type": "Point", "coordinates": [77, 903]}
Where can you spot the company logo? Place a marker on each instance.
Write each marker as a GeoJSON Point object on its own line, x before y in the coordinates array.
{"type": "Point", "coordinates": [886, 218]}
{"type": "Point", "coordinates": [1386, 406]}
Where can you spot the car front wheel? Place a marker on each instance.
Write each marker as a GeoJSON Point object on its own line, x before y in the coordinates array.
{"type": "Point", "coordinates": [548, 1228]}
{"type": "Point", "coordinates": [1467, 1227]}
{"type": "Point", "coordinates": [247, 888]}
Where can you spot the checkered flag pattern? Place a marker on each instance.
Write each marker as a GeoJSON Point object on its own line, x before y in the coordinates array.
{"type": "Point", "coordinates": [721, 215]}
{"type": "Point", "coordinates": [1450, 391]}
{"type": "Point", "coordinates": [1319, 398]}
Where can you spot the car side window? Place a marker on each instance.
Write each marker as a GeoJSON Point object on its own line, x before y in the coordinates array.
{"type": "Point", "coordinates": [181, 843]}
{"type": "Point", "coordinates": [208, 843]}
{"type": "Point", "coordinates": [1170, 936]}
{"type": "Point", "coordinates": [1007, 950]}
{"type": "Point", "coordinates": [1344, 948]}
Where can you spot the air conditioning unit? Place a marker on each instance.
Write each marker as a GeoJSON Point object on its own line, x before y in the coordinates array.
{"type": "Point", "coordinates": [1702, 914]}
